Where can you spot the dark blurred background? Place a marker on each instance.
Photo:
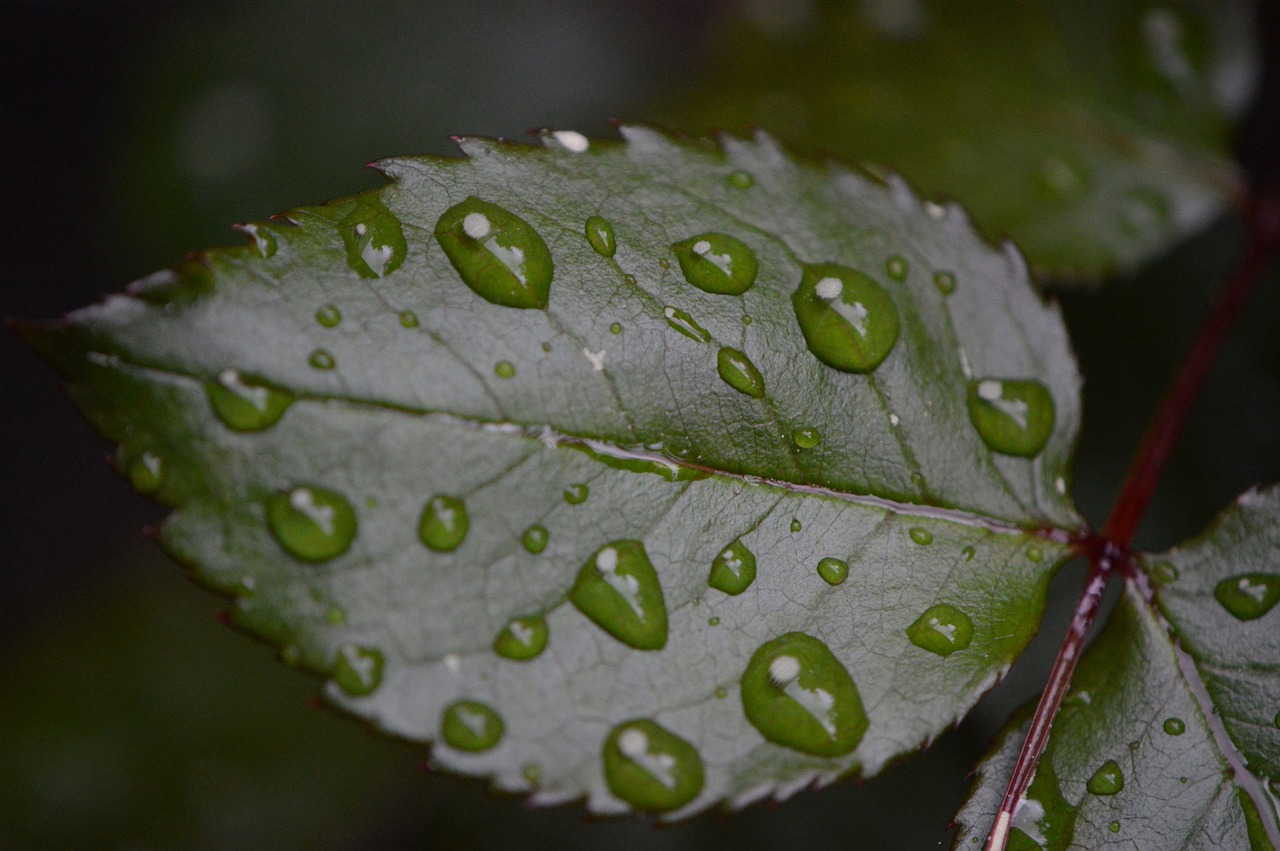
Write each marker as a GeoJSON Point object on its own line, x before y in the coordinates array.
{"type": "Point", "coordinates": [133, 133]}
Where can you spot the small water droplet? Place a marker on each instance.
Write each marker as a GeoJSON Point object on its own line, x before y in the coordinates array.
{"type": "Point", "coordinates": [321, 359]}
{"type": "Point", "coordinates": [1115, 827]}
{"type": "Point", "coordinates": [245, 403]}
{"type": "Point", "coordinates": [1107, 780]}
{"type": "Point", "coordinates": [146, 472]}
{"type": "Point", "coordinates": [329, 316]}
{"type": "Point", "coordinates": [576, 494]}
{"type": "Point", "coordinates": [444, 523]}
{"type": "Point", "coordinates": [312, 523]}
{"type": "Point", "coordinates": [945, 282]}
{"type": "Point", "coordinates": [833, 570]}
{"type": "Point", "coordinates": [740, 179]}
{"type": "Point", "coordinates": [685, 324]}
{"type": "Point", "coordinates": [740, 373]}
{"type": "Point", "coordinates": [535, 539]}
{"type": "Point", "coordinates": [896, 267]}
{"type": "Point", "coordinates": [1248, 596]}
{"type": "Point", "coordinates": [615, 328]}
{"type": "Point", "coordinates": [522, 638]}
{"type": "Point", "coordinates": [651, 768]}
{"type": "Point", "coordinates": [469, 725]}
{"type": "Point", "coordinates": [1035, 554]}
{"type": "Point", "coordinates": [358, 670]}
{"type": "Point", "coordinates": [1174, 726]}
{"type": "Point", "coordinates": [734, 569]}
{"type": "Point", "coordinates": [630, 279]}
{"type": "Point", "coordinates": [335, 615]}
{"type": "Point", "coordinates": [1164, 573]}
{"type": "Point", "coordinates": [532, 772]}
{"type": "Point", "coordinates": [717, 263]}
{"type": "Point", "coordinates": [798, 695]}
{"type": "Point", "coordinates": [713, 621]}
{"type": "Point", "coordinates": [618, 589]}
{"type": "Point", "coordinates": [795, 524]}
{"type": "Point", "coordinates": [942, 629]}
{"type": "Point", "coordinates": [1182, 780]}
{"type": "Point", "coordinates": [746, 320]}
{"type": "Point", "coordinates": [849, 322]}
{"type": "Point", "coordinates": [722, 692]}
{"type": "Point", "coordinates": [408, 319]}
{"type": "Point", "coordinates": [498, 254]}
{"type": "Point", "coordinates": [374, 239]}
{"type": "Point", "coordinates": [1012, 417]}
{"type": "Point", "coordinates": [504, 369]}
{"type": "Point", "coordinates": [920, 535]}
{"type": "Point", "coordinates": [806, 438]}
{"type": "Point", "coordinates": [600, 234]}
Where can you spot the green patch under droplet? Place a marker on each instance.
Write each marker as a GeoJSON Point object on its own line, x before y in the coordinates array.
{"type": "Point", "coordinates": [522, 638]}
{"type": "Point", "coordinates": [408, 319]}
{"type": "Point", "coordinates": [1012, 417]}
{"type": "Point", "coordinates": [1174, 726]}
{"type": "Point", "coordinates": [1107, 780]}
{"type": "Point", "coordinates": [849, 322]}
{"type": "Point", "coordinates": [312, 523]}
{"type": "Point", "coordinates": [942, 629]}
{"type": "Point", "coordinates": [600, 234]}
{"type": "Point", "coordinates": [471, 726]}
{"type": "Point", "coordinates": [535, 539]}
{"type": "Point", "coordinates": [740, 373]}
{"type": "Point", "coordinates": [833, 570]}
{"type": "Point", "coordinates": [920, 535]}
{"type": "Point", "coordinates": [374, 239]}
{"type": "Point", "coordinates": [1248, 596]}
{"type": "Point", "coordinates": [444, 523]}
{"type": "Point", "coordinates": [619, 590]}
{"type": "Point", "coordinates": [806, 438]}
{"type": "Point", "coordinates": [504, 369]}
{"type": "Point", "coordinates": [576, 494]}
{"type": "Point", "coordinates": [717, 263]}
{"type": "Point", "coordinates": [685, 324]}
{"type": "Point", "coordinates": [358, 670]}
{"type": "Point", "coordinates": [329, 316]}
{"type": "Point", "coordinates": [733, 570]}
{"type": "Point", "coordinates": [498, 254]}
{"type": "Point", "coordinates": [651, 768]}
{"type": "Point", "coordinates": [245, 403]}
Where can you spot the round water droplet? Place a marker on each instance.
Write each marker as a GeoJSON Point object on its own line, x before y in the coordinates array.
{"type": "Point", "coordinates": [321, 359]}
{"type": "Point", "coordinates": [713, 621]}
{"type": "Point", "coordinates": [746, 320]}
{"type": "Point", "coordinates": [722, 692]}
{"type": "Point", "coordinates": [329, 316]}
{"type": "Point", "coordinates": [373, 238]}
{"type": "Point", "coordinates": [796, 526]}
{"type": "Point", "coordinates": [717, 263]}
{"type": "Point", "coordinates": [896, 268]}
{"type": "Point", "coordinates": [806, 438]}
{"type": "Point", "coordinates": [615, 328]}
{"type": "Point", "coordinates": [740, 179]}
{"type": "Point", "coordinates": [358, 670]}
{"type": "Point", "coordinates": [1107, 780]}
{"type": "Point", "coordinates": [1035, 554]}
{"type": "Point", "coordinates": [618, 589]}
{"type": "Point", "coordinates": [651, 768]}
{"type": "Point", "coordinates": [504, 369]}
{"type": "Point", "coordinates": [444, 523]}
{"type": "Point", "coordinates": [600, 234]}
{"type": "Point", "coordinates": [1174, 726]}
{"type": "Point", "coordinates": [1115, 827]}
{"type": "Point", "coordinates": [945, 282]}
{"type": "Point", "coordinates": [408, 319]}
{"type": "Point", "coordinates": [1012, 417]}
{"type": "Point", "coordinates": [848, 321]}
{"type": "Point", "coordinates": [798, 695]}
{"type": "Point", "coordinates": [733, 570]}
{"type": "Point", "coordinates": [535, 539]}
{"type": "Point", "coordinates": [576, 494]}
{"type": "Point", "coordinates": [146, 472]}
{"type": "Point", "coordinates": [1164, 573]}
{"type": "Point", "coordinates": [471, 726]}
{"type": "Point", "coordinates": [685, 324]}
{"type": "Point", "coordinates": [1250, 595]}
{"type": "Point", "coordinates": [522, 638]}
{"type": "Point", "coordinates": [833, 570]}
{"type": "Point", "coordinates": [920, 535]}
{"type": "Point", "coordinates": [245, 403]}
{"type": "Point", "coordinates": [498, 254]}
{"type": "Point", "coordinates": [312, 523]}
{"type": "Point", "coordinates": [942, 629]}
{"type": "Point", "coordinates": [740, 373]}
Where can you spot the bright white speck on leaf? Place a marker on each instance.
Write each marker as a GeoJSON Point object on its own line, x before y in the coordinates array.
{"type": "Point", "coordinates": [361, 229]}
{"type": "Point", "coordinates": [936, 211]}
{"type": "Point", "coordinates": [476, 225]}
{"type": "Point", "coordinates": [572, 140]}
{"type": "Point", "coordinates": [596, 358]}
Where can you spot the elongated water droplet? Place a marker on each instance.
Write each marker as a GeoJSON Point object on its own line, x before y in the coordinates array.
{"type": "Point", "coordinates": [313, 523]}
{"type": "Point", "coordinates": [740, 179]}
{"type": "Point", "coordinates": [444, 523]}
{"type": "Point", "coordinates": [740, 373]}
{"type": "Point", "coordinates": [498, 254]}
{"type": "Point", "coordinates": [504, 369]}
{"type": "Point", "coordinates": [522, 638]}
{"type": "Point", "coordinates": [849, 322]}
{"type": "Point", "coordinates": [576, 494]}
{"type": "Point", "coordinates": [833, 570]}
{"type": "Point", "coordinates": [797, 694]}
{"type": "Point", "coordinates": [600, 235]}
{"type": "Point", "coordinates": [1250, 595]}
{"type": "Point", "coordinates": [618, 589]}
{"type": "Point", "coordinates": [942, 629]}
{"type": "Point", "coordinates": [245, 403]}
{"type": "Point", "coordinates": [796, 526]}
{"type": "Point", "coordinates": [685, 324]}
{"type": "Point", "coordinates": [408, 319]}
{"type": "Point", "coordinates": [374, 239]}
{"type": "Point", "coordinates": [920, 535]}
{"type": "Point", "coordinates": [896, 268]}
{"type": "Point", "coordinates": [717, 263]}
{"type": "Point", "coordinates": [1174, 726]}
{"type": "Point", "coordinates": [945, 282]}
{"type": "Point", "coordinates": [358, 670]}
{"type": "Point", "coordinates": [1164, 573]}
{"type": "Point", "coordinates": [321, 359]}
{"type": "Point", "coordinates": [733, 570]}
{"type": "Point", "coordinates": [1012, 417]}
{"type": "Point", "coordinates": [469, 725]}
{"type": "Point", "coordinates": [329, 316]}
{"type": "Point", "coordinates": [806, 438]}
{"type": "Point", "coordinates": [1107, 780]}
{"type": "Point", "coordinates": [651, 768]}
{"type": "Point", "coordinates": [146, 472]}
{"type": "Point", "coordinates": [535, 539]}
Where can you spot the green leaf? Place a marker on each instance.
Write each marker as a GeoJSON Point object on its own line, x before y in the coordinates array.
{"type": "Point", "coordinates": [504, 527]}
{"type": "Point", "coordinates": [1096, 133]}
{"type": "Point", "coordinates": [1162, 744]}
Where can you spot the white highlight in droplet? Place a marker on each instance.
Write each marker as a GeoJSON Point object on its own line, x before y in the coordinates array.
{"type": "Point", "coordinates": [572, 140]}
{"type": "Point", "coordinates": [827, 288]}
{"type": "Point", "coordinates": [476, 225]}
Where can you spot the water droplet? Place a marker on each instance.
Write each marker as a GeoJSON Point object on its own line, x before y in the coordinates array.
{"type": "Point", "coordinates": [1035, 554]}
{"type": "Point", "coordinates": [806, 438]}
{"type": "Point", "coordinates": [615, 328]}
{"type": "Point", "coordinates": [722, 692]}
{"type": "Point", "coordinates": [942, 629]}
{"type": "Point", "coordinates": [504, 369]}
{"type": "Point", "coordinates": [312, 523]}
{"type": "Point", "coordinates": [1012, 417]}
{"type": "Point", "coordinates": [717, 263]}
{"type": "Point", "coordinates": [651, 768]}
{"type": "Point", "coordinates": [740, 373]}
{"type": "Point", "coordinates": [1107, 780]}
{"type": "Point", "coordinates": [576, 494]}
{"type": "Point", "coordinates": [498, 254]}
{"type": "Point", "coordinates": [945, 282]}
{"type": "Point", "coordinates": [630, 279]}
{"type": "Point", "coordinates": [1182, 780]}
{"type": "Point", "coordinates": [833, 570]}
{"type": "Point", "coordinates": [321, 359]}
{"type": "Point", "coordinates": [535, 539]}
{"type": "Point", "coordinates": [664, 263]}
{"type": "Point", "coordinates": [618, 589]}
{"type": "Point", "coordinates": [600, 235]}
{"type": "Point", "coordinates": [798, 695]}
{"type": "Point", "coordinates": [713, 621]}
{"type": "Point", "coordinates": [795, 524]}
{"type": "Point", "coordinates": [1115, 827]}
{"type": "Point", "coordinates": [146, 472]}
{"type": "Point", "coordinates": [734, 569]}
{"type": "Point", "coordinates": [471, 726]}
{"type": "Point", "coordinates": [896, 267]}
{"type": "Point", "coordinates": [358, 670]}
{"type": "Point", "coordinates": [920, 535]}
{"type": "Point", "coordinates": [532, 772]}
{"type": "Point", "coordinates": [329, 316]}
{"type": "Point", "coordinates": [741, 179]}
{"type": "Point", "coordinates": [408, 319]}
{"type": "Point", "coordinates": [685, 324]}
{"type": "Point", "coordinates": [373, 238]}
{"type": "Point", "coordinates": [1164, 573]}
{"type": "Point", "coordinates": [335, 616]}
{"type": "Point", "coordinates": [1250, 595]}
{"type": "Point", "coordinates": [522, 638]}
{"type": "Point", "coordinates": [245, 403]}
{"type": "Point", "coordinates": [746, 320]}
{"type": "Point", "coordinates": [444, 523]}
{"type": "Point", "coordinates": [848, 321]}
{"type": "Point", "coordinates": [1174, 726]}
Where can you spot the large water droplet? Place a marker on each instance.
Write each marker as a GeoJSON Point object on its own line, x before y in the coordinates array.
{"type": "Point", "coordinates": [498, 254]}
{"type": "Point", "coordinates": [833, 570]}
{"type": "Point", "coordinates": [444, 523]}
{"type": "Point", "coordinates": [717, 263]}
{"type": "Point", "coordinates": [329, 316]}
{"type": "Point", "coordinates": [600, 235]}
{"type": "Point", "coordinates": [535, 539]}
{"type": "Point", "coordinates": [733, 570]}
{"type": "Point", "coordinates": [576, 494]}
{"type": "Point", "coordinates": [739, 372]}
{"type": "Point", "coordinates": [651, 768]}
{"type": "Point", "coordinates": [1174, 726]}
{"type": "Point", "coordinates": [373, 238]}
{"type": "Point", "coordinates": [1012, 417]}
{"type": "Point", "coordinates": [848, 321]}
{"type": "Point", "coordinates": [942, 629]}
{"type": "Point", "coordinates": [358, 670]}
{"type": "Point", "coordinates": [313, 523]}
{"type": "Point", "coordinates": [1107, 780]}
{"type": "Point", "coordinates": [522, 638]}
{"type": "Point", "coordinates": [685, 324]}
{"type": "Point", "coordinates": [471, 726]}
{"type": "Point", "coordinates": [146, 472]}
{"type": "Point", "coordinates": [797, 694]}
{"type": "Point", "coordinates": [619, 590]}
{"type": "Point", "coordinates": [245, 403]}
{"type": "Point", "coordinates": [806, 438]}
{"type": "Point", "coordinates": [1250, 595]}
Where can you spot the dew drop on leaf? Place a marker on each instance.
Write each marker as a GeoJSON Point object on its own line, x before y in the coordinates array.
{"type": "Point", "coordinates": [942, 629]}
{"type": "Point", "coordinates": [146, 472]}
{"type": "Point", "coordinates": [1012, 417]}
{"type": "Point", "coordinates": [849, 322]}
{"type": "Point", "coordinates": [329, 316]}
{"type": "Point", "coordinates": [1107, 780]}
{"type": "Point", "coordinates": [615, 328]}
{"type": "Point", "coordinates": [504, 369]}
{"type": "Point", "coordinates": [321, 359]}
{"type": "Point", "coordinates": [535, 539]}
{"type": "Point", "coordinates": [358, 670]}
{"type": "Point", "coordinates": [1114, 827]}
{"type": "Point", "coordinates": [1250, 595]}
{"type": "Point", "coordinates": [684, 323]}
{"type": "Point", "coordinates": [945, 282]}
{"type": "Point", "coordinates": [600, 234]}
{"type": "Point", "coordinates": [408, 319]}
{"type": "Point", "coordinates": [1035, 554]}
{"type": "Point", "coordinates": [651, 768]}
{"type": "Point", "coordinates": [833, 570]}
{"type": "Point", "coordinates": [739, 372]}
{"type": "Point", "coordinates": [576, 494]}
{"type": "Point", "coordinates": [244, 403]}
{"type": "Point", "coordinates": [741, 179]}
{"type": "Point", "coordinates": [373, 238]}
{"type": "Point", "coordinates": [896, 268]}
{"type": "Point", "coordinates": [733, 570]}
{"type": "Point", "coordinates": [312, 523]}
{"type": "Point", "coordinates": [618, 589]}
{"type": "Point", "coordinates": [806, 438]}
{"type": "Point", "coordinates": [498, 254]}
{"type": "Point", "coordinates": [444, 523]}
{"type": "Point", "coordinates": [796, 525]}
{"type": "Point", "coordinates": [717, 263]}
{"type": "Point", "coordinates": [522, 638]}
{"type": "Point", "coordinates": [920, 535]}
{"type": "Point", "coordinates": [469, 725]}
{"type": "Point", "coordinates": [1163, 573]}
{"type": "Point", "coordinates": [1174, 726]}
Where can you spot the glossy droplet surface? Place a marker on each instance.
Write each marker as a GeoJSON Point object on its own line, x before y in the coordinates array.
{"type": "Point", "coordinates": [739, 372]}
{"type": "Point", "coordinates": [717, 263]}
{"type": "Point", "coordinates": [1012, 417]}
{"type": "Point", "coordinates": [498, 254]}
{"type": "Point", "coordinates": [469, 725]}
{"type": "Point", "coordinates": [245, 403]}
{"type": "Point", "coordinates": [600, 234]}
{"type": "Point", "coordinates": [651, 768]}
{"type": "Point", "coordinates": [684, 323]}
{"type": "Point", "coordinates": [796, 525]}
{"type": "Point", "coordinates": [576, 494]}
{"type": "Point", "coordinates": [321, 359]}
{"type": "Point", "coordinates": [444, 523]}
{"type": "Point", "coordinates": [945, 282]}
{"type": "Point", "coordinates": [942, 629]}
{"type": "Point", "coordinates": [741, 179]}
{"type": "Point", "coordinates": [806, 438]}
{"type": "Point", "coordinates": [619, 590]}
{"type": "Point", "coordinates": [1164, 573]}
{"type": "Point", "coordinates": [1107, 780]}
{"type": "Point", "coordinates": [522, 638]}
{"type": "Point", "coordinates": [833, 570]}
{"type": "Point", "coordinates": [1250, 595]}
{"type": "Point", "coordinates": [358, 670]}
{"type": "Point", "coordinates": [535, 539]}
{"type": "Point", "coordinates": [504, 369]}
{"type": "Point", "coordinates": [373, 238]}
{"type": "Point", "coordinates": [329, 316]}
{"type": "Point", "coordinates": [733, 570]}
{"type": "Point", "coordinates": [849, 322]}
{"type": "Point", "coordinates": [408, 319]}
{"type": "Point", "coordinates": [921, 536]}
{"type": "Point", "coordinates": [896, 267]}
{"type": "Point", "coordinates": [798, 695]}
{"type": "Point", "coordinates": [146, 472]}
{"type": "Point", "coordinates": [312, 523]}
{"type": "Point", "coordinates": [1174, 726]}
{"type": "Point", "coordinates": [615, 328]}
